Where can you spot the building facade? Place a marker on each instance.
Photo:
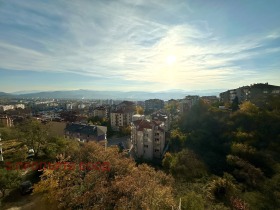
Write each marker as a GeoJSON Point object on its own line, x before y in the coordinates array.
{"type": "Point", "coordinates": [6, 121]}
{"type": "Point", "coordinates": [85, 133]}
{"type": "Point", "coordinates": [186, 103]}
{"type": "Point", "coordinates": [101, 112]}
{"type": "Point", "coordinates": [121, 116]}
{"type": "Point", "coordinates": [153, 105]}
{"type": "Point", "coordinates": [148, 139]}
{"type": "Point", "coordinates": [256, 93]}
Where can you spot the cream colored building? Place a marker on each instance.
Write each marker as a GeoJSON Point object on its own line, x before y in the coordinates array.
{"type": "Point", "coordinates": [121, 118]}
{"type": "Point", "coordinates": [148, 139]}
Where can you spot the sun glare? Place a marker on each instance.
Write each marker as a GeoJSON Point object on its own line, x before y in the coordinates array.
{"type": "Point", "coordinates": [170, 59]}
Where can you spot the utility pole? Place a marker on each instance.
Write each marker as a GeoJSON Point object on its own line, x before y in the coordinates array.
{"type": "Point", "coordinates": [105, 141]}
{"type": "Point", "coordinates": [1, 151]}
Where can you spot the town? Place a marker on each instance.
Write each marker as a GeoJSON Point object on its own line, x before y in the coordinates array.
{"type": "Point", "coordinates": [141, 128]}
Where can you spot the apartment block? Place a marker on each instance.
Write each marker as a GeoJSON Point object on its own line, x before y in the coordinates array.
{"type": "Point", "coordinates": [256, 93]}
{"type": "Point", "coordinates": [153, 105]}
{"type": "Point", "coordinates": [148, 139]}
{"type": "Point", "coordinates": [186, 103]}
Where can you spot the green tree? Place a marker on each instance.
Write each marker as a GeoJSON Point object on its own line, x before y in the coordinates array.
{"type": "Point", "coordinates": [34, 135]}
{"type": "Point", "coordinates": [249, 107]}
{"type": "Point", "coordinates": [186, 165]}
{"type": "Point", "coordinates": [234, 104]}
{"type": "Point", "coordinates": [192, 201]}
{"type": "Point", "coordinates": [8, 180]}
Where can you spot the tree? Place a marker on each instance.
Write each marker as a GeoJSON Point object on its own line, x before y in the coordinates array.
{"type": "Point", "coordinates": [34, 135]}
{"type": "Point", "coordinates": [234, 104]}
{"type": "Point", "coordinates": [123, 186]}
{"type": "Point", "coordinates": [248, 107]}
{"type": "Point", "coordinates": [186, 165]}
{"type": "Point", "coordinates": [167, 161]}
{"type": "Point", "coordinates": [8, 180]}
{"type": "Point", "coordinates": [192, 201]}
{"type": "Point", "coordinates": [139, 110]}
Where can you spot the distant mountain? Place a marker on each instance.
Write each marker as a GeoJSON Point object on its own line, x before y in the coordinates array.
{"type": "Point", "coordinates": [25, 92]}
{"type": "Point", "coordinates": [2, 94]}
{"type": "Point", "coordinates": [121, 95]}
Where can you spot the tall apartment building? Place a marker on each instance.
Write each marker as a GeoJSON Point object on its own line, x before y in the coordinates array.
{"type": "Point", "coordinates": [148, 139]}
{"type": "Point", "coordinates": [101, 112]}
{"type": "Point", "coordinates": [121, 118]}
{"type": "Point", "coordinates": [122, 115]}
{"type": "Point", "coordinates": [153, 104]}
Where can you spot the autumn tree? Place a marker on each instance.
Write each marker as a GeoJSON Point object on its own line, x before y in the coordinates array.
{"type": "Point", "coordinates": [124, 186]}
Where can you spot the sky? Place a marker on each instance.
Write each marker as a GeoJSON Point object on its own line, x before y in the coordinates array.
{"type": "Point", "coordinates": [132, 45]}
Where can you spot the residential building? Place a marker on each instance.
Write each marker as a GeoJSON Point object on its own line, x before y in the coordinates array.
{"type": "Point", "coordinates": [126, 105]}
{"type": "Point", "coordinates": [19, 106]}
{"type": "Point", "coordinates": [148, 139]}
{"type": "Point", "coordinates": [256, 93]}
{"type": "Point", "coordinates": [101, 112]}
{"type": "Point", "coordinates": [6, 121]}
{"type": "Point", "coordinates": [6, 107]}
{"type": "Point", "coordinates": [138, 117]}
{"type": "Point", "coordinates": [153, 105]}
{"type": "Point", "coordinates": [210, 99]}
{"type": "Point", "coordinates": [85, 133]}
{"type": "Point", "coordinates": [186, 103]}
{"type": "Point", "coordinates": [163, 118]}
{"type": "Point", "coordinates": [121, 116]}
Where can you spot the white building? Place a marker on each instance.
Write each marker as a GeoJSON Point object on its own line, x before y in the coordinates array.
{"type": "Point", "coordinates": [6, 107]}
{"type": "Point", "coordinates": [148, 139]}
{"type": "Point", "coordinates": [20, 106]}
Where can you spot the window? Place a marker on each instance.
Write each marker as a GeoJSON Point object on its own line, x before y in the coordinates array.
{"type": "Point", "coordinates": [146, 146]}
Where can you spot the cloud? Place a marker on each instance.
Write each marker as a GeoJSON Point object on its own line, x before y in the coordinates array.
{"type": "Point", "coordinates": [125, 41]}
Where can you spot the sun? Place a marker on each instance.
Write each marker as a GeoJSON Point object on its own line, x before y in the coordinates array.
{"type": "Point", "coordinates": [170, 59]}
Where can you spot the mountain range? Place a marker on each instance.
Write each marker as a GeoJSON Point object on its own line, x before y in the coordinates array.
{"type": "Point", "coordinates": [121, 95]}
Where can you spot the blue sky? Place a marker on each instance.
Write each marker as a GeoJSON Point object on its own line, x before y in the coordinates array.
{"type": "Point", "coordinates": [138, 44]}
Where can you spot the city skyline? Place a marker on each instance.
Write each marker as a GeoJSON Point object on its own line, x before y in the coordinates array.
{"type": "Point", "coordinates": [138, 45]}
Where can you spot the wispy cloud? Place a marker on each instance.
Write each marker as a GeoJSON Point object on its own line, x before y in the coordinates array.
{"type": "Point", "coordinates": [127, 41]}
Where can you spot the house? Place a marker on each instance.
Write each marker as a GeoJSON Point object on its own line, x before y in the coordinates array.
{"type": "Point", "coordinates": [148, 139]}
{"type": "Point", "coordinates": [85, 133]}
